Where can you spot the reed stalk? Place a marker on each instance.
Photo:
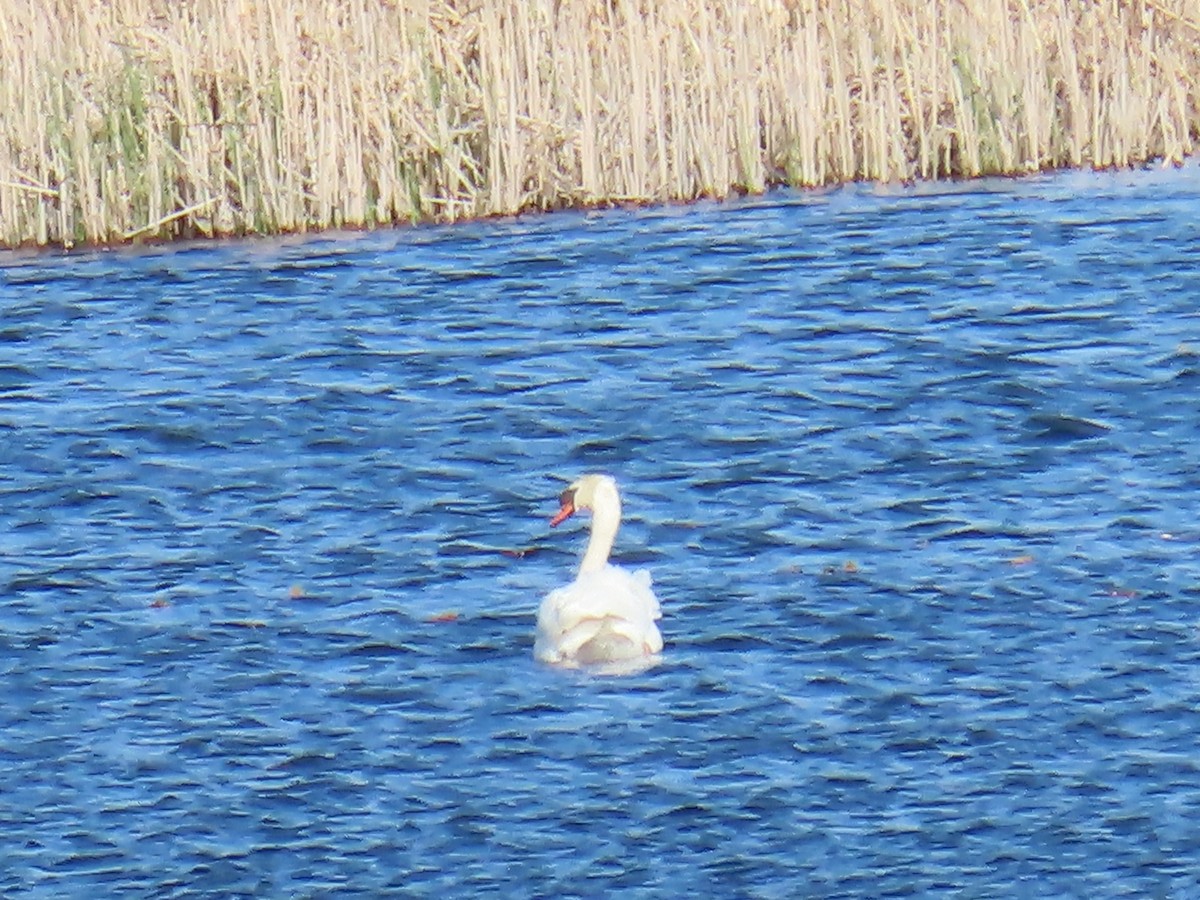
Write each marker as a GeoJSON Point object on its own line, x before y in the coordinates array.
{"type": "Point", "coordinates": [135, 119]}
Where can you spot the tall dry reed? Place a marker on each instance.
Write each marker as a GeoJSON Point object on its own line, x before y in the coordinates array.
{"type": "Point", "coordinates": [157, 118]}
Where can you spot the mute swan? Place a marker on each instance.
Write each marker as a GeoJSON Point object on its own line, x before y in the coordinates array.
{"type": "Point", "coordinates": [606, 616]}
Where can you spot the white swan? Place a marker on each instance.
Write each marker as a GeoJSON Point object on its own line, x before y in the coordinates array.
{"type": "Point", "coordinates": [606, 616]}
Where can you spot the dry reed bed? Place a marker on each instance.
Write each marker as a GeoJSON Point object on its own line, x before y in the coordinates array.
{"type": "Point", "coordinates": [133, 118]}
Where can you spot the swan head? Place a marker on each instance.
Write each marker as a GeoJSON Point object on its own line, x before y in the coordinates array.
{"type": "Point", "coordinates": [585, 494]}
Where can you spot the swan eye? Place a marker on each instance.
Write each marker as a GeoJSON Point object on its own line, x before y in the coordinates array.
{"type": "Point", "coordinates": [567, 497]}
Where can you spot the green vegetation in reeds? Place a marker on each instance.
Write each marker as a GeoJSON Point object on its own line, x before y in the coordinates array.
{"type": "Point", "coordinates": [130, 119]}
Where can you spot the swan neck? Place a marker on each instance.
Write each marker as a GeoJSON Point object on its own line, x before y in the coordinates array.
{"type": "Point", "coordinates": [606, 519]}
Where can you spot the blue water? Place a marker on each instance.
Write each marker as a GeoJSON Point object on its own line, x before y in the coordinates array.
{"type": "Point", "coordinates": [916, 472]}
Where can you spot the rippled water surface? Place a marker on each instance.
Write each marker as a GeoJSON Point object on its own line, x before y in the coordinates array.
{"type": "Point", "coordinates": [916, 472]}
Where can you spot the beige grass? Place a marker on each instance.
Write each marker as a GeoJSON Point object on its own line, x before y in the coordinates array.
{"type": "Point", "coordinates": [157, 118]}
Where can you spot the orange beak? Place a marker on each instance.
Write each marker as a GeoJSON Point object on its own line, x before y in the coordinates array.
{"type": "Point", "coordinates": [566, 510]}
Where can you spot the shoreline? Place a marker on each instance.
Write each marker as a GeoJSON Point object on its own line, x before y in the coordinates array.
{"type": "Point", "coordinates": [933, 186]}
{"type": "Point", "coordinates": [140, 121]}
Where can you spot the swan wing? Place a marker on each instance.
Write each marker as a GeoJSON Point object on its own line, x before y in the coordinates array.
{"type": "Point", "coordinates": [611, 612]}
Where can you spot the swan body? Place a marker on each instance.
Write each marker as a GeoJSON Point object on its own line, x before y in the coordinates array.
{"type": "Point", "coordinates": [607, 616]}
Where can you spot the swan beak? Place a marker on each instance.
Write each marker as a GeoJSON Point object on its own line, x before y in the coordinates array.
{"type": "Point", "coordinates": [566, 510]}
